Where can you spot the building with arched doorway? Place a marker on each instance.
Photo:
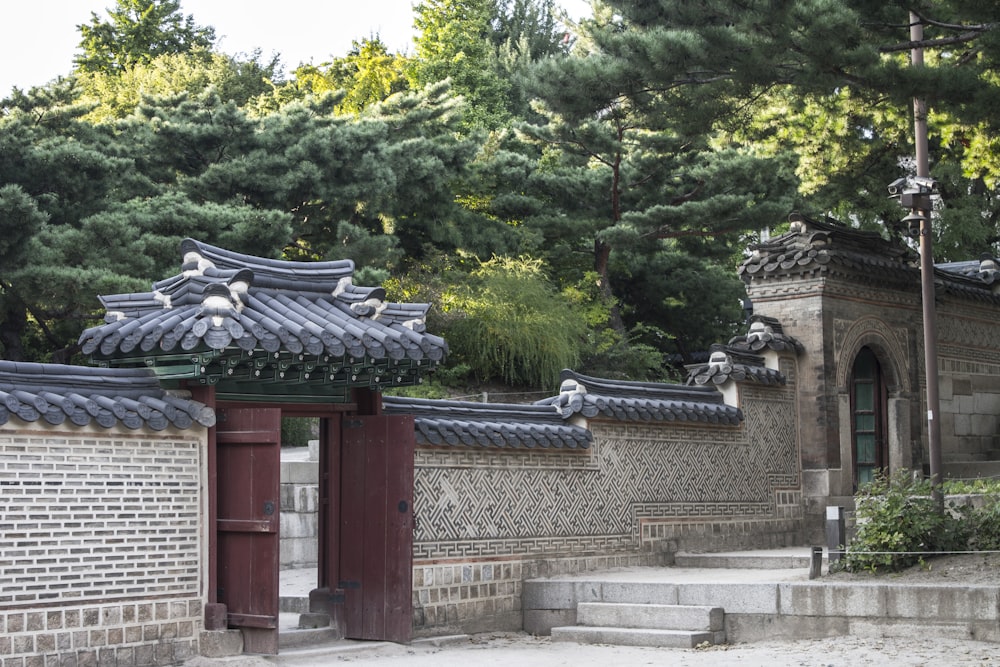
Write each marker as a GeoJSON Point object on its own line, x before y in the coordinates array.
{"type": "Point", "coordinates": [852, 299]}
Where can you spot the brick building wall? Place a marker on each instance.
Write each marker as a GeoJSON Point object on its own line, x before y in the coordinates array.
{"type": "Point", "coordinates": [969, 384]}
{"type": "Point", "coordinates": [489, 518]}
{"type": "Point", "coordinates": [838, 290]}
{"type": "Point", "coordinates": [101, 561]}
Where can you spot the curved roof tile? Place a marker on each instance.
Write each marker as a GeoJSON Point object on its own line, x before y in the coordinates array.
{"type": "Point", "coordinates": [813, 245]}
{"type": "Point", "coordinates": [765, 333]}
{"type": "Point", "coordinates": [462, 423]}
{"type": "Point", "coordinates": [640, 401]}
{"type": "Point", "coordinates": [222, 299]}
{"type": "Point", "coordinates": [729, 363]}
{"type": "Point", "coordinates": [106, 396]}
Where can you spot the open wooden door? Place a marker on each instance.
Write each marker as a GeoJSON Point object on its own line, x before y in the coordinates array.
{"type": "Point", "coordinates": [248, 445]}
{"type": "Point", "coordinates": [376, 535]}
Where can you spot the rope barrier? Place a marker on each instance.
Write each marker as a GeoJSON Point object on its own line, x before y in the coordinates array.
{"type": "Point", "coordinates": [849, 551]}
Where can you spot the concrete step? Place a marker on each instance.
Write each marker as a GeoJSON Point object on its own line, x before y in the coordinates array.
{"type": "Point", "coordinates": [291, 635]}
{"type": "Point", "coordinates": [582, 634]}
{"type": "Point", "coordinates": [651, 616]}
{"type": "Point", "coordinates": [785, 559]}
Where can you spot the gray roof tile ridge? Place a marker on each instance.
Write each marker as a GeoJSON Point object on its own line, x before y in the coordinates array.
{"type": "Point", "coordinates": [132, 397]}
{"type": "Point", "coordinates": [634, 389]}
{"type": "Point", "coordinates": [452, 409]}
{"type": "Point", "coordinates": [320, 271]}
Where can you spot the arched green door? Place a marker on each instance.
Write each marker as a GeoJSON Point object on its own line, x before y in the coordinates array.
{"type": "Point", "coordinates": [868, 401]}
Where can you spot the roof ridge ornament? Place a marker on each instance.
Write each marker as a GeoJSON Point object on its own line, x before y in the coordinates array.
{"type": "Point", "coordinates": [342, 285]}
{"type": "Point", "coordinates": [194, 264]}
{"type": "Point", "coordinates": [163, 298]}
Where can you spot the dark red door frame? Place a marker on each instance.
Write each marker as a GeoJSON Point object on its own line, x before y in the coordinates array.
{"type": "Point", "coordinates": [390, 618]}
{"type": "Point", "coordinates": [248, 450]}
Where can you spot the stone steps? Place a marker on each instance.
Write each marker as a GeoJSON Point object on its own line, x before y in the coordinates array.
{"type": "Point", "coordinates": [291, 633]}
{"type": "Point", "coordinates": [745, 560]}
{"type": "Point", "coordinates": [655, 625]}
{"type": "Point", "coordinates": [637, 616]}
{"type": "Point", "coordinates": [634, 636]}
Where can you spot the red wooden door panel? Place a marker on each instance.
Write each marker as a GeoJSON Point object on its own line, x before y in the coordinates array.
{"type": "Point", "coordinates": [248, 444]}
{"type": "Point", "coordinates": [376, 563]}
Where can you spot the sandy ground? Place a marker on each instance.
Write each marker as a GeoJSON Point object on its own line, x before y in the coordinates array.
{"type": "Point", "coordinates": [521, 650]}
{"type": "Point", "coordinates": [526, 651]}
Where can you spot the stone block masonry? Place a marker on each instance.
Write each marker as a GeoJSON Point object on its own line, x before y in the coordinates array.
{"type": "Point", "coordinates": [100, 561]}
{"type": "Point", "coordinates": [488, 519]}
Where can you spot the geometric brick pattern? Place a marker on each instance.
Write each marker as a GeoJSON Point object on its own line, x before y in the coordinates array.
{"type": "Point", "coordinates": [512, 503]}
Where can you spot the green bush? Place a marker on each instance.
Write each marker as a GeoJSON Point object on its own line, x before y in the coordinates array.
{"type": "Point", "coordinates": [986, 525]}
{"type": "Point", "coordinates": [898, 523]}
{"type": "Point", "coordinates": [298, 431]}
{"type": "Point", "coordinates": [504, 320]}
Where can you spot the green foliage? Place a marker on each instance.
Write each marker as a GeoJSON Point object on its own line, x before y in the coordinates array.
{"type": "Point", "coordinates": [298, 431]}
{"type": "Point", "coordinates": [899, 523]}
{"type": "Point", "coordinates": [484, 48]}
{"type": "Point", "coordinates": [116, 94]}
{"type": "Point", "coordinates": [138, 31]}
{"type": "Point", "coordinates": [453, 46]}
{"type": "Point", "coordinates": [510, 324]}
{"type": "Point", "coordinates": [502, 319]}
{"type": "Point", "coordinates": [373, 255]}
{"type": "Point", "coordinates": [985, 522]}
{"type": "Point", "coordinates": [436, 387]}
{"type": "Point", "coordinates": [831, 82]}
{"type": "Point", "coordinates": [367, 75]}
{"type": "Point", "coordinates": [987, 485]}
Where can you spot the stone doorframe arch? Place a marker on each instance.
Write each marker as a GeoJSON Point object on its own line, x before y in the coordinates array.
{"type": "Point", "coordinates": [891, 349]}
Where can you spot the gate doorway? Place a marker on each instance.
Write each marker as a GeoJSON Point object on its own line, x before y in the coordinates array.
{"type": "Point", "coordinates": [256, 339]}
{"type": "Point", "coordinates": [365, 520]}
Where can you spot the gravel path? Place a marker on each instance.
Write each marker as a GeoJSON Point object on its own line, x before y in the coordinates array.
{"type": "Point", "coordinates": [519, 650]}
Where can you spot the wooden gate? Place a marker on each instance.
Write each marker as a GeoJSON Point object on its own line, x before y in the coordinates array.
{"type": "Point", "coordinates": [248, 445]}
{"type": "Point", "coordinates": [376, 527]}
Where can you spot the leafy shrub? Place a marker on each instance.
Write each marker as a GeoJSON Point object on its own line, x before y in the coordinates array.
{"type": "Point", "coordinates": [503, 319]}
{"type": "Point", "coordinates": [982, 485]}
{"type": "Point", "coordinates": [899, 522]}
{"type": "Point", "coordinates": [986, 525]}
{"type": "Point", "coordinates": [298, 431]}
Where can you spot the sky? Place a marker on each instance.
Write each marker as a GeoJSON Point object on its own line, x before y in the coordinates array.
{"type": "Point", "coordinates": [39, 38]}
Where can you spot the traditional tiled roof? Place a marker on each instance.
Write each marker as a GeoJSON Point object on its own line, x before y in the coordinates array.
{"type": "Point", "coordinates": [102, 396]}
{"type": "Point", "coordinates": [975, 279]}
{"type": "Point", "coordinates": [765, 333]}
{"type": "Point", "coordinates": [813, 246]}
{"type": "Point", "coordinates": [229, 316]}
{"type": "Point", "coordinates": [457, 423]}
{"type": "Point", "coordinates": [729, 363]}
{"type": "Point", "coordinates": [823, 246]}
{"type": "Point", "coordinates": [640, 401]}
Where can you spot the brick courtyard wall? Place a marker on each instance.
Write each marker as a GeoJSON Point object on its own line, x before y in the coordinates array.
{"type": "Point", "coordinates": [489, 518]}
{"type": "Point", "coordinates": [103, 545]}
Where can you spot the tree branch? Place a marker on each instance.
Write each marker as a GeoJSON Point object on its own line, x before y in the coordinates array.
{"type": "Point", "coordinates": [943, 41]}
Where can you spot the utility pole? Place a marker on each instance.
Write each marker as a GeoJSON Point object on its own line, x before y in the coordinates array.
{"type": "Point", "coordinates": [927, 272]}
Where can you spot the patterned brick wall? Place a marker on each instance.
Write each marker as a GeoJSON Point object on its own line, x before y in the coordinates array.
{"type": "Point", "coordinates": [100, 561]}
{"type": "Point", "coordinates": [487, 518]}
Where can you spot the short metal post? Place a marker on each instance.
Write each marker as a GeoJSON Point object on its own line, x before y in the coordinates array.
{"type": "Point", "coordinates": [836, 536]}
{"type": "Point", "coordinates": [816, 563]}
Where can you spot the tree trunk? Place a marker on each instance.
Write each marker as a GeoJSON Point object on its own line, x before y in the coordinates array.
{"type": "Point", "coordinates": [602, 253]}
{"type": "Point", "coordinates": [13, 323]}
